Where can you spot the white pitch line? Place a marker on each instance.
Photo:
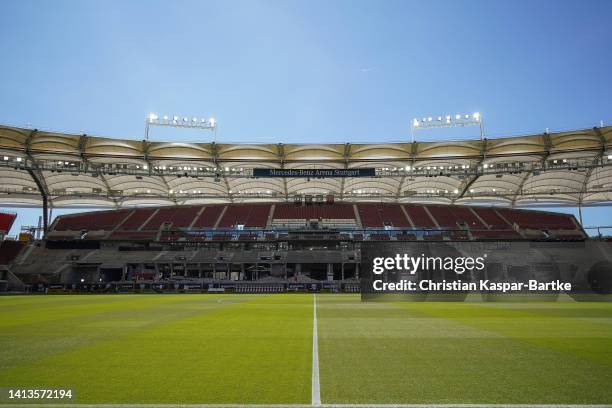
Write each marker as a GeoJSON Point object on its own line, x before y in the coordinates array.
{"type": "Point", "coordinates": [32, 405]}
{"type": "Point", "coordinates": [316, 386]}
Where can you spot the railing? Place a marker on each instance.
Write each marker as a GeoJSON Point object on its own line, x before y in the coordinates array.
{"type": "Point", "coordinates": [600, 232]}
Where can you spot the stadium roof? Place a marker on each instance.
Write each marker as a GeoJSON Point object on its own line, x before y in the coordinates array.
{"type": "Point", "coordinates": [567, 168]}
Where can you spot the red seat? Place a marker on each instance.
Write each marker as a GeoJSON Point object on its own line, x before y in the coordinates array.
{"type": "Point", "coordinates": [6, 221]}
{"type": "Point", "coordinates": [9, 251]}
{"type": "Point", "coordinates": [419, 216]}
{"type": "Point", "coordinates": [249, 215]}
{"type": "Point", "coordinates": [208, 218]}
{"type": "Point", "coordinates": [98, 220]}
{"type": "Point", "coordinates": [374, 215]}
{"type": "Point", "coordinates": [314, 212]}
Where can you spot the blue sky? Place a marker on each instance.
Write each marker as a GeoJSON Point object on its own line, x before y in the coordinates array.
{"type": "Point", "coordinates": [305, 71]}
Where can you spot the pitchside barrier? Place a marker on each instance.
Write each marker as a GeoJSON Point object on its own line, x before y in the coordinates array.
{"type": "Point", "coordinates": [213, 287]}
{"type": "Point", "coordinates": [495, 271]}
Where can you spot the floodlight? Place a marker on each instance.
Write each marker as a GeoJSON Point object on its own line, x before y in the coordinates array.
{"type": "Point", "coordinates": [461, 120]}
{"type": "Point", "coordinates": [178, 121]}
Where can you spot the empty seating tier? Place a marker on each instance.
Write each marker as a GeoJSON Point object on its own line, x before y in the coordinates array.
{"type": "Point", "coordinates": [539, 220]}
{"type": "Point", "coordinates": [379, 215]}
{"type": "Point", "coordinates": [248, 215]}
{"type": "Point", "coordinates": [443, 215]}
{"type": "Point", "coordinates": [492, 218]}
{"type": "Point", "coordinates": [208, 218]}
{"type": "Point", "coordinates": [454, 217]}
{"type": "Point", "coordinates": [6, 221]}
{"type": "Point", "coordinates": [100, 220]}
{"type": "Point", "coordinates": [179, 217]}
{"type": "Point", "coordinates": [9, 251]}
{"type": "Point", "coordinates": [314, 212]}
{"type": "Point", "coordinates": [420, 218]}
{"type": "Point", "coordinates": [437, 221]}
{"type": "Point", "coordinates": [137, 218]}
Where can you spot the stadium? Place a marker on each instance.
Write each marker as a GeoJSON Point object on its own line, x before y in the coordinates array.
{"type": "Point", "coordinates": [291, 204]}
{"type": "Point", "coordinates": [271, 242]}
{"type": "Point", "coordinates": [194, 216]}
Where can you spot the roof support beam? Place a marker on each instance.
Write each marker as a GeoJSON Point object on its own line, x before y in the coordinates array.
{"type": "Point", "coordinates": [545, 156]}
{"type": "Point", "coordinates": [347, 158]}
{"type": "Point", "coordinates": [468, 183]}
{"type": "Point", "coordinates": [215, 157]}
{"type": "Point", "coordinates": [145, 155]}
{"type": "Point", "coordinates": [413, 154]}
{"type": "Point", "coordinates": [39, 180]}
{"type": "Point", "coordinates": [596, 160]}
{"type": "Point", "coordinates": [84, 159]}
{"type": "Point", "coordinates": [281, 157]}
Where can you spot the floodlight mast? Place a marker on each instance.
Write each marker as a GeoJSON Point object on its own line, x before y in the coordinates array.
{"type": "Point", "coordinates": [179, 122]}
{"type": "Point", "coordinates": [448, 121]}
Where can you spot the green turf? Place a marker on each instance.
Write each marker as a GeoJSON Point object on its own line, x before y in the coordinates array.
{"type": "Point", "coordinates": [257, 349]}
{"type": "Point", "coordinates": [166, 349]}
{"type": "Point", "coordinates": [443, 352]}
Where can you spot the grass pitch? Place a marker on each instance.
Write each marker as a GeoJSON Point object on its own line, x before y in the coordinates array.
{"type": "Point", "coordinates": [258, 349]}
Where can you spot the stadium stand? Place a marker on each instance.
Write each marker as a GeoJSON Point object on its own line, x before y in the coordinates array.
{"type": "Point", "coordinates": [209, 217]}
{"type": "Point", "coordinates": [492, 218]}
{"type": "Point", "coordinates": [420, 218]}
{"type": "Point", "coordinates": [104, 220]}
{"type": "Point", "coordinates": [247, 229]}
{"type": "Point", "coordinates": [314, 212]}
{"type": "Point", "coordinates": [6, 221]}
{"type": "Point", "coordinates": [137, 218]}
{"type": "Point", "coordinates": [247, 215]}
{"type": "Point", "coordinates": [380, 215]}
{"type": "Point", "coordinates": [538, 220]}
{"type": "Point", "coordinates": [9, 251]}
{"type": "Point", "coordinates": [434, 222]}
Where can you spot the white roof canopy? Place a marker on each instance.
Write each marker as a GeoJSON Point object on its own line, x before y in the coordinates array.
{"type": "Point", "coordinates": [569, 168]}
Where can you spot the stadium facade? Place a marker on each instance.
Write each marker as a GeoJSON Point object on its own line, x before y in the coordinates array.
{"type": "Point", "coordinates": [277, 217]}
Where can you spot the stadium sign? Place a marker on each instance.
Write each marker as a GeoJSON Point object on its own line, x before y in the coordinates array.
{"type": "Point", "coordinates": [369, 172]}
